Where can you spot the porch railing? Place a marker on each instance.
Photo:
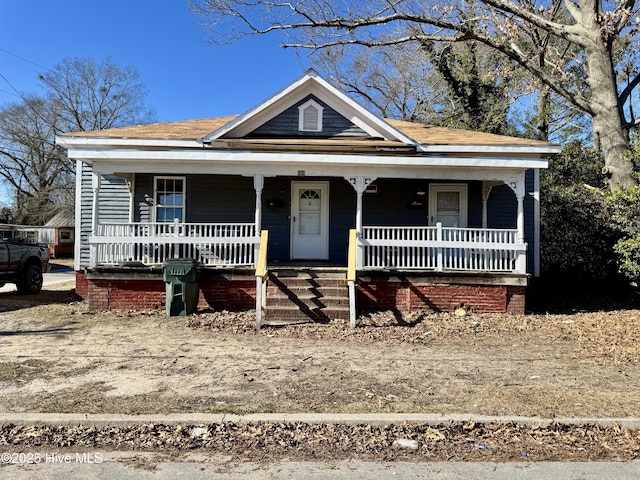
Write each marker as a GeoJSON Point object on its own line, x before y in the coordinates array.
{"type": "Point", "coordinates": [213, 244]}
{"type": "Point", "coordinates": [441, 249]}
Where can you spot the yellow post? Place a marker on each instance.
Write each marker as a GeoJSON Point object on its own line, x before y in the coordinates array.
{"type": "Point", "coordinates": [261, 277]}
{"type": "Point", "coordinates": [351, 265]}
{"type": "Point", "coordinates": [351, 275]}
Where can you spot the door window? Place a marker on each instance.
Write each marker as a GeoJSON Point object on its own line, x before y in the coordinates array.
{"type": "Point", "coordinates": [310, 213]}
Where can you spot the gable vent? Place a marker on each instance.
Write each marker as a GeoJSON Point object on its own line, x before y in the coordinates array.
{"type": "Point", "coordinates": [310, 117]}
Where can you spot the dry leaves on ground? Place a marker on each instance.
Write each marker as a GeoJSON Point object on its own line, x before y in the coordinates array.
{"type": "Point", "coordinates": [603, 336]}
{"type": "Point", "coordinates": [301, 441]}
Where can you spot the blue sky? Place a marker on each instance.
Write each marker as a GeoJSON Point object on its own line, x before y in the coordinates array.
{"type": "Point", "coordinates": [186, 76]}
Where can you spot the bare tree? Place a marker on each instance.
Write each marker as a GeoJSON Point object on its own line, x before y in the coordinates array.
{"type": "Point", "coordinates": [393, 80]}
{"type": "Point", "coordinates": [80, 95]}
{"type": "Point", "coordinates": [30, 162]}
{"type": "Point", "coordinates": [592, 27]}
{"type": "Point", "coordinates": [94, 96]}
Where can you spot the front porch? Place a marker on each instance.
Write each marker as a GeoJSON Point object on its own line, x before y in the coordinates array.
{"type": "Point", "coordinates": [378, 248]}
{"type": "Point", "coordinates": [408, 268]}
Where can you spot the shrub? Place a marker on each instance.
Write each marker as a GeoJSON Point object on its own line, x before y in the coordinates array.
{"type": "Point", "coordinates": [625, 216]}
{"type": "Point", "coordinates": [577, 236]}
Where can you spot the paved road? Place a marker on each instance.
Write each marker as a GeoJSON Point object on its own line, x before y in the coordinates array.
{"type": "Point", "coordinates": [58, 274]}
{"type": "Point", "coordinates": [194, 466]}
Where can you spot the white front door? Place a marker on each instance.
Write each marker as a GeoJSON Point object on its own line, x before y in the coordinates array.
{"type": "Point", "coordinates": [310, 220]}
{"type": "Point", "coordinates": [448, 205]}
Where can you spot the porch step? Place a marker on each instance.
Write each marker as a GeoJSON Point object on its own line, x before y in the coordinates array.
{"type": "Point", "coordinates": [306, 296]}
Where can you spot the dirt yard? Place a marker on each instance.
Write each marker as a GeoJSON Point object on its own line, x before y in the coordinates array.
{"type": "Point", "coordinates": [58, 357]}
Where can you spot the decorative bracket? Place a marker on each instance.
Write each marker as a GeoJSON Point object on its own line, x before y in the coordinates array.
{"type": "Point", "coordinates": [359, 183]}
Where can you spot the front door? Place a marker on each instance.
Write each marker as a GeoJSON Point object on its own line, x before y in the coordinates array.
{"type": "Point", "coordinates": [310, 220]}
{"type": "Point", "coordinates": [448, 205]}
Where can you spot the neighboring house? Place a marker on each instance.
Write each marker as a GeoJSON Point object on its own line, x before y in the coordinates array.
{"type": "Point", "coordinates": [8, 231]}
{"type": "Point", "coordinates": [58, 233]}
{"type": "Point", "coordinates": [441, 218]}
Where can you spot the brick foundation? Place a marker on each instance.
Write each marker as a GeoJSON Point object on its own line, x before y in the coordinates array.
{"type": "Point", "coordinates": [136, 294]}
{"type": "Point", "coordinates": [238, 293]}
{"type": "Point", "coordinates": [408, 296]}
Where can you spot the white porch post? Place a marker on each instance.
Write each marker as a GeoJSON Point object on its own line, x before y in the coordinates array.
{"type": "Point", "coordinates": [519, 189]}
{"type": "Point", "coordinates": [96, 180]}
{"type": "Point", "coordinates": [258, 185]}
{"type": "Point", "coordinates": [360, 185]}
{"type": "Point", "coordinates": [131, 183]}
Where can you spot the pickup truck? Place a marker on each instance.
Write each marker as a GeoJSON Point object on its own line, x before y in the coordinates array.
{"type": "Point", "coordinates": [23, 264]}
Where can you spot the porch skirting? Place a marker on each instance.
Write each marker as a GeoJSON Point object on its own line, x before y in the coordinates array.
{"type": "Point", "coordinates": [119, 288]}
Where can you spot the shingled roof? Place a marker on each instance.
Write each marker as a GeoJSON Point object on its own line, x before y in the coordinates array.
{"type": "Point", "coordinates": [197, 129]}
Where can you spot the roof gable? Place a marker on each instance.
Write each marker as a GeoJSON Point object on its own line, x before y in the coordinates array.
{"type": "Point", "coordinates": [347, 116]}
{"type": "Point", "coordinates": [291, 122]}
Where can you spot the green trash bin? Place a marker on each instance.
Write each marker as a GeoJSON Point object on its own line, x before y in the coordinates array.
{"type": "Point", "coordinates": [181, 278]}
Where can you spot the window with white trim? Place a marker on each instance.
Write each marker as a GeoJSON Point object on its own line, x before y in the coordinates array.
{"type": "Point", "coordinates": [169, 195]}
{"type": "Point", "coordinates": [310, 117]}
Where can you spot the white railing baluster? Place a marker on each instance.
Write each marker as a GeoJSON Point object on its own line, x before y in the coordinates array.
{"type": "Point", "coordinates": [442, 249]}
{"type": "Point", "coordinates": [152, 243]}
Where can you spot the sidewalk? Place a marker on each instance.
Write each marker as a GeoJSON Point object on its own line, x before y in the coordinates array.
{"type": "Point", "coordinates": [309, 418]}
{"type": "Point", "coordinates": [150, 466]}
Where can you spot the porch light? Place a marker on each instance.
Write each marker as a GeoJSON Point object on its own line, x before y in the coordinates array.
{"type": "Point", "coordinates": [420, 191]}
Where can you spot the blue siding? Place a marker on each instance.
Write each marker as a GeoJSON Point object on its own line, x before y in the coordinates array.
{"type": "Point", "coordinates": [220, 199]}
{"type": "Point", "coordinates": [143, 198]}
{"type": "Point", "coordinates": [210, 198]}
{"type": "Point", "coordinates": [391, 205]}
{"type": "Point", "coordinates": [342, 218]}
{"type": "Point", "coordinates": [502, 208]}
{"type": "Point", "coordinates": [114, 199]}
{"type": "Point", "coordinates": [114, 205]}
{"type": "Point", "coordinates": [86, 199]}
{"type": "Point", "coordinates": [276, 218]}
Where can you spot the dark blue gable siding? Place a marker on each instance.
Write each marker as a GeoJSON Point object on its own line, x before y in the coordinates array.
{"type": "Point", "coordinates": [286, 124]}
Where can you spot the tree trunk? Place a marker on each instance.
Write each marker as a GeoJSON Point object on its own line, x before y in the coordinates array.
{"type": "Point", "coordinates": [607, 116]}
{"type": "Point", "coordinates": [542, 117]}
